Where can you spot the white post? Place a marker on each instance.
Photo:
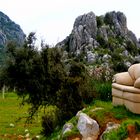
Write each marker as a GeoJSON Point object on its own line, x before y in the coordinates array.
{"type": "Point", "coordinates": [3, 91]}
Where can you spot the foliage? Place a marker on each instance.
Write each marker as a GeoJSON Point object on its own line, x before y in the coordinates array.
{"type": "Point", "coordinates": [108, 19]}
{"type": "Point", "coordinates": [50, 120]}
{"type": "Point", "coordinates": [101, 78]}
{"type": "Point", "coordinates": [122, 132]}
{"type": "Point", "coordinates": [104, 91]}
{"type": "Point", "coordinates": [132, 48]}
{"type": "Point", "coordinates": [119, 66]}
{"type": "Point", "coordinates": [102, 41]}
{"type": "Point", "coordinates": [100, 21]}
{"type": "Point", "coordinates": [103, 113]}
{"type": "Point", "coordinates": [41, 79]}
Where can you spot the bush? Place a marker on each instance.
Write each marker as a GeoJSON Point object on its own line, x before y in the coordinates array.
{"type": "Point", "coordinates": [102, 41]}
{"type": "Point", "coordinates": [131, 47]}
{"type": "Point", "coordinates": [108, 19]}
{"type": "Point", "coordinates": [119, 67]}
{"type": "Point", "coordinates": [100, 21]}
{"type": "Point", "coordinates": [50, 120]}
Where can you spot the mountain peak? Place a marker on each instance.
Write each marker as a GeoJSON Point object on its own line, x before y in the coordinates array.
{"type": "Point", "coordinates": [95, 37]}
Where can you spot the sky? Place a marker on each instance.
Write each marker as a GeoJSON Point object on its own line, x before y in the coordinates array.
{"type": "Point", "coordinates": [53, 20]}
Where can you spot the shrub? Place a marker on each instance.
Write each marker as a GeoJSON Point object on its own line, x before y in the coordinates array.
{"type": "Point", "coordinates": [131, 47]}
{"type": "Point", "coordinates": [50, 120]}
{"type": "Point", "coordinates": [108, 19]}
{"type": "Point", "coordinates": [119, 66]}
{"type": "Point", "coordinates": [100, 21]}
{"type": "Point", "coordinates": [102, 41]}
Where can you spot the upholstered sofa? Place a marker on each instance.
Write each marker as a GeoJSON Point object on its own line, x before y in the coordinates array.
{"type": "Point", "coordinates": [126, 89]}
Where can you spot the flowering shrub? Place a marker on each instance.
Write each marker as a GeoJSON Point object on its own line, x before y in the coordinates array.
{"type": "Point", "coordinates": [101, 81]}
{"type": "Point", "coordinates": [101, 73]}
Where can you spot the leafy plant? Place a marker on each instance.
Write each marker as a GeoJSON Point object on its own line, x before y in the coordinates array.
{"type": "Point", "coordinates": [50, 120]}
{"type": "Point", "coordinates": [100, 21]}
{"type": "Point", "coordinates": [104, 91]}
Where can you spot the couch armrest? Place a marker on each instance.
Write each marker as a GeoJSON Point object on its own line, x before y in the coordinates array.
{"type": "Point", "coordinates": [137, 83]}
{"type": "Point", "coordinates": [123, 78]}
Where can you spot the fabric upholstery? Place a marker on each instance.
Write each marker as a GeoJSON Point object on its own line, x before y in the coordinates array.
{"type": "Point", "coordinates": [126, 89]}
{"type": "Point", "coordinates": [134, 71]}
{"type": "Point", "coordinates": [131, 71]}
{"type": "Point", "coordinates": [137, 71]}
{"type": "Point", "coordinates": [137, 83]}
{"type": "Point", "coordinates": [124, 79]}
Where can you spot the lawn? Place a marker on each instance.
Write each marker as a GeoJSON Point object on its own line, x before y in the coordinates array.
{"type": "Point", "coordinates": [13, 117]}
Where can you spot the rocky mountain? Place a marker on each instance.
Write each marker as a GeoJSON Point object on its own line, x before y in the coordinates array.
{"type": "Point", "coordinates": [104, 40]}
{"type": "Point", "coordinates": [9, 31]}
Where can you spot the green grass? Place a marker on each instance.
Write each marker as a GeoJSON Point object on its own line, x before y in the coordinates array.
{"type": "Point", "coordinates": [12, 113]}
{"type": "Point", "coordinates": [108, 113]}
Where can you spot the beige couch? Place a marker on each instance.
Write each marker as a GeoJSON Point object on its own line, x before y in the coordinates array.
{"type": "Point", "coordinates": [126, 89]}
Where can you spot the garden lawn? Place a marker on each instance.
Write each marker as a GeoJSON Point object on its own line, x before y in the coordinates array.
{"type": "Point", "coordinates": [13, 117]}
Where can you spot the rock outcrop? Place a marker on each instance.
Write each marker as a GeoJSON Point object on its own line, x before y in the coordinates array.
{"type": "Point", "coordinates": [10, 31]}
{"type": "Point", "coordinates": [95, 37]}
{"type": "Point", "coordinates": [109, 127]}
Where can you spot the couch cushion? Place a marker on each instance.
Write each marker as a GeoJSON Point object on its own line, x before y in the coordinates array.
{"type": "Point", "coordinates": [137, 83]}
{"type": "Point", "coordinates": [124, 79]}
{"type": "Point", "coordinates": [117, 93]}
{"type": "Point", "coordinates": [131, 97]}
{"type": "Point", "coordinates": [126, 88]}
{"type": "Point", "coordinates": [137, 71]}
{"type": "Point", "coordinates": [132, 106]}
{"type": "Point", "coordinates": [134, 71]}
{"type": "Point", "coordinates": [131, 71]}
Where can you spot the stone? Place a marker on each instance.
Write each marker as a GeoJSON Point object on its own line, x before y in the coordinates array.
{"type": "Point", "coordinates": [88, 128]}
{"type": "Point", "coordinates": [67, 127]}
{"type": "Point", "coordinates": [97, 42]}
{"type": "Point", "coordinates": [79, 113]}
{"type": "Point", "coordinates": [106, 57]}
{"type": "Point", "coordinates": [84, 31]}
{"type": "Point", "coordinates": [91, 57]}
{"type": "Point", "coordinates": [110, 126]}
{"type": "Point", "coordinates": [12, 125]}
{"type": "Point", "coordinates": [118, 19]}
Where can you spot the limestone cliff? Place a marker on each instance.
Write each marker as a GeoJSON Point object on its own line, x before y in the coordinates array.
{"type": "Point", "coordinates": [102, 39]}
{"type": "Point", "coordinates": [10, 31]}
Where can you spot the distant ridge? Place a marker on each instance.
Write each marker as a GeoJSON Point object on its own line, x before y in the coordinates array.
{"type": "Point", "coordinates": [10, 31]}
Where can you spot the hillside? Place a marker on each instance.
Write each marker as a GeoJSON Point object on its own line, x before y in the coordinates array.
{"type": "Point", "coordinates": [57, 87]}
{"type": "Point", "coordinates": [9, 31]}
{"type": "Point", "coordinates": [103, 40]}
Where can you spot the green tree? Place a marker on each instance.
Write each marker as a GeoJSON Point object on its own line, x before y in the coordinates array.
{"type": "Point", "coordinates": [41, 79]}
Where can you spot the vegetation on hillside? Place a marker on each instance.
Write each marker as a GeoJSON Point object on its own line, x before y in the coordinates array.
{"type": "Point", "coordinates": [41, 78]}
{"type": "Point", "coordinates": [45, 81]}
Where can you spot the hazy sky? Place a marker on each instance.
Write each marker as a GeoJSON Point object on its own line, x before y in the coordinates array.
{"type": "Point", "coordinates": [53, 20]}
